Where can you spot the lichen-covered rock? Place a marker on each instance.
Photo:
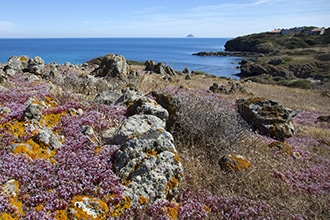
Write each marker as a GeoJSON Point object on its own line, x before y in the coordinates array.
{"type": "Point", "coordinates": [282, 147]}
{"type": "Point", "coordinates": [128, 97]}
{"type": "Point", "coordinates": [84, 207]}
{"type": "Point", "coordinates": [112, 65]}
{"type": "Point", "coordinates": [148, 106]}
{"type": "Point", "coordinates": [147, 161]}
{"type": "Point", "coordinates": [18, 63]}
{"type": "Point", "coordinates": [171, 104]}
{"type": "Point", "coordinates": [36, 65]}
{"type": "Point", "coordinates": [269, 117]}
{"type": "Point", "coordinates": [33, 111]}
{"type": "Point", "coordinates": [234, 162]}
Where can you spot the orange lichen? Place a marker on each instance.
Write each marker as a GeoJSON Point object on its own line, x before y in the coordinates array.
{"type": "Point", "coordinates": [152, 153]}
{"type": "Point", "coordinates": [119, 208]}
{"type": "Point", "coordinates": [172, 183]}
{"type": "Point", "coordinates": [84, 207]}
{"type": "Point", "coordinates": [45, 102]}
{"type": "Point", "coordinates": [234, 162]}
{"type": "Point", "coordinates": [160, 129]}
{"type": "Point", "coordinates": [283, 147]}
{"type": "Point", "coordinates": [143, 200]}
{"type": "Point", "coordinates": [51, 120]}
{"type": "Point", "coordinates": [11, 189]}
{"type": "Point", "coordinates": [34, 150]}
{"type": "Point", "coordinates": [97, 150]}
{"type": "Point", "coordinates": [172, 212]}
{"type": "Point", "coordinates": [6, 216]}
{"type": "Point", "coordinates": [61, 215]}
{"type": "Point", "coordinates": [15, 128]}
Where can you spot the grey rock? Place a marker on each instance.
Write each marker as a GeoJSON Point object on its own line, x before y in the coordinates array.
{"type": "Point", "coordinates": [33, 112]}
{"type": "Point", "coordinates": [128, 97]}
{"type": "Point", "coordinates": [107, 97]}
{"type": "Point", "coordinates": [171, 104]}
{"type": "Point", "coordinates": [114, 66]}
{"type": "Point", "coordinates": [48, 139]}
{"type": "Point", "coordinates": [147, 106]}
{"type": "Point", "coordinates": [18, 63]}
{"type": "Point", "coordinates": [269, 117]}
{"type": "Point", "coordinates": [159, 68]}
{"type": "Point", "coordinates": [36, 65]}
{"type": "Point", "coordinates": [147, 159]}
{"type": "Point", "coordinates": [11, 72]}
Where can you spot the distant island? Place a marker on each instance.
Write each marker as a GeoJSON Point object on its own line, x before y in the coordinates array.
{"type": "Point", "coordinates": [190, 35]}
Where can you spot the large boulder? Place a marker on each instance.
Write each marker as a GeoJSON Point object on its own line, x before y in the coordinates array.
{"type": "Point", "coordinates": [23, 63]}
{"type": "Point", "coordinates": [18, 63]}
{"type": "Point", "coordinates": [269, 117]}
{"type": "Point", "coordinates": [147, 161]}
{"type": "Point", "coordinates": [112, 65]}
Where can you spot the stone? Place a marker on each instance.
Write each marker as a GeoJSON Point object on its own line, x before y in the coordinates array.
{"type": "Point", "coordinates": [268, 117]}
{"type": "Point", "coordinates": [47, 139]}
{"type": "Point", "coordinates": [85, 207]}
{"type": "Point", "coordinates": [107, 97]}
{"type": "Point", "coordinates": [18, 63]}
{"type": "Point", "coordinates": [282, 147]}
{"type": "Point", "coordinates": [171, 104]}
{"type": "Point", "coordinates": [159, 68]}
{"type": "Point", "coordinates": [147, 160]}
{"type": "Point", "coordinates": [234, 162]}
{"type": "Point", "coordinates": [33, 112]}
{"type": "Point", "coordinates": [128, 97]}
{"type": "Point", "coordinates": [113, 66]}
{"type": "Point", "coordinates": [36, 65]}
{"type": "Point", "coordinates": [147, 106]}
{"type": "Point", "coordinates": [186, 71]}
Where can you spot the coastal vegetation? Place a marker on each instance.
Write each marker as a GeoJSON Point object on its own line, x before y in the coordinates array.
{"type": "Point", "coordinates": [112, 139]}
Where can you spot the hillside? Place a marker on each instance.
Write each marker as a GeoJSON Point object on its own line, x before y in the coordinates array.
{"type": "Point", "coordinates": [269, 42]}
{"type": "Point", "coordinates": [125, 140]}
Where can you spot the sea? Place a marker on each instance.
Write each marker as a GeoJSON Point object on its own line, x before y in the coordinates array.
{"type": "Point", "coordinates": [175, 52]}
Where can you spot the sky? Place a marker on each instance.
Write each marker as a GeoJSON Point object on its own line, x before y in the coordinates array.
{"type": "Point", "coordinates": [156, 18]}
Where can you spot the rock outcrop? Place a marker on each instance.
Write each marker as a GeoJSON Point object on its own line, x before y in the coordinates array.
{"type": "Point", "coordinates": [254, 69]}
{"type": "Point", "coordinates": [147, 160]}
{"type": "Point", "coordinates": [268, 117]}
{"type": "Point", "coordinates": [23, 63]}
{"type": "Point", "coordinates": [113, 66]}
{"type": "Point", "coordinates": [159, 68]}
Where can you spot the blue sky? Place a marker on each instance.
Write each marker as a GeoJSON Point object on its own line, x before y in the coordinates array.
{"type": "Point", "coordinates": [156, 18]}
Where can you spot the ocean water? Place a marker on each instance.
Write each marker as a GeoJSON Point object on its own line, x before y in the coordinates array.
{"type": "Point", "coordinates": [175, 52]}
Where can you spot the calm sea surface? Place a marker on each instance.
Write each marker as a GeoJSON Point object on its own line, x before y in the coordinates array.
{"type": "Point", "coordinates": [175, 52]}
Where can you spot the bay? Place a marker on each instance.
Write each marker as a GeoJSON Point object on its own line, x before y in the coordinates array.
{"type": "Point", "coordinates": [175, 52]}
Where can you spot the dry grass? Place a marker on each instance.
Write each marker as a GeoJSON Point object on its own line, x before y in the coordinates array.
{"type": "Point", "coordinates": [270, 178]}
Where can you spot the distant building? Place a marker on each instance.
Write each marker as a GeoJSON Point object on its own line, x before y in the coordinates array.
{"type": "Point", "coordinates": [276, 31]}
{"type": "Point", "coordinates": [318, 31]}
{"type": "Point", "coordinates": [298, 30]}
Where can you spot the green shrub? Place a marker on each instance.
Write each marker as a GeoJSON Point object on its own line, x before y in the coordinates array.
{"type": "Point", "coordinates": [299, 83]}
{"type": "Point", "coordinates": [287, 59]}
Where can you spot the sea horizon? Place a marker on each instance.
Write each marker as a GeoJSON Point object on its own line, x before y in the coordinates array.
{"type": "Point", "coordinates": [173, 51]}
